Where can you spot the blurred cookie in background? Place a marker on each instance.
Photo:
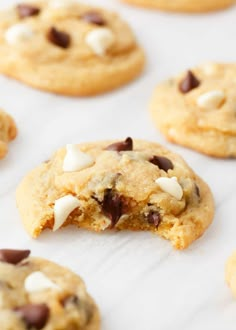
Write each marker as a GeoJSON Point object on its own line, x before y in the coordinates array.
{"type": "Point", "coordinates": [65, 47]}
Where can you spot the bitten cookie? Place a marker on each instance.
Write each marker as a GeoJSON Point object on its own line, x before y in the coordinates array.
{"type": "Point", "coordinates": [197, 109]}
{"type": "Point", "coordinates": [8, 132]}
{"type": "Point", "coordinates": [123, 185]}
{"type": "Point", "coordinates": [38, 294]}
{"type": "Point", "coordinates": [184, 5]}
{"type": "Point", "coordinates": [68, 48]}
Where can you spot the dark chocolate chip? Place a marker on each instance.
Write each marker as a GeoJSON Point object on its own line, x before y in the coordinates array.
{"type": "Point", "coordinates": [126, 145]}
{"type": "Point", "coordinates": [93, 18]}
{"type": "Point", "coordinates": [71, 299]}
{"type": "Point", "coordinates": [59, 38]}
{"type": "Point", "coordinates": [35, 316]}
{"type": "Point", "coordinates": [113, 206]}
{"type": "Point", "coordinates": [189, 82]}
{"type": "Point", "coordinates": [5, 285]}
{"type": "Point", "coordinates": [13, 256]}
{"type": "Point", "coordinates": [26, 10]}
{"type": "Point", "coordinates": [197, 190]}
{"type": "Point", "coordinates": [154, 218]}
{"type": "Point", "coordinates": [162, 162]}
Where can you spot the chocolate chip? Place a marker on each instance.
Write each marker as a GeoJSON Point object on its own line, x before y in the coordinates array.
{"type": "Point", "coordinates": [197, 190]}
{"type": "Point", "coordinates": [59, 38]}
{"type": "Point", "coordinates": [113, 206]}
{"type": "Point", "coordinates": [154, 218]}
{"type": "Point", "coordinates": [35, 316]}
{"type": "Point", "coordinates": [188, 83]}
{"type": "Point", "coordinates": [13, 256]}
{"type": "Point", "coordinates": [162, 162]}
{"type": "Point", "coordinates": [121, 146]}
{"type": "Point", "coordinates": [71, 299]}
{"type": "Point", "coordinates": [93, 18]}
{"type": "Point", "coordinates": [5, 285]}
{"type": "Point", "coordinates": [26, 10]}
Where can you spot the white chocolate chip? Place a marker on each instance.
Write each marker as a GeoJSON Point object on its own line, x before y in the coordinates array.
{"type": "Point", "coordinates": [172, 132]}
{"type": "Point", "coordinates": [211, 100]}
{"type": "Point", "coordinates": [171, 186]}
{"type": "Point", "coordinates": [75, 159]}
{"type": "Point", "coordinates": [38, 281]}
{"type": "Point", "coordinates": [62, 4]}
{"type": "Point", "coordinates": [18, 33]}
{"type": "Point", "coordinates": [210, 68]}
{"type": "Point", "coordinates": [100, 40]}
{"type": "Point", "coordinates": [62, 209]}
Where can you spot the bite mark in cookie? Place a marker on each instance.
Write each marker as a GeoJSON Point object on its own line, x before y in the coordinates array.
{"type": "Point", "coordinates": [121, 189]}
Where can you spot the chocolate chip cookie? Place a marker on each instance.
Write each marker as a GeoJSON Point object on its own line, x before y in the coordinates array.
{"type": "Point", "coordinates": [184, 5]}
{"type": "Point", "coordinates": [65, 47]}
{"type": "Point", "coordinates": [8, 132]}
{"type": "Point", "coordinates": [38, 294]}
{"type": "Point", "coordinates": [197, 109]}
{"type": "Point", "coordinates": [134, 185]}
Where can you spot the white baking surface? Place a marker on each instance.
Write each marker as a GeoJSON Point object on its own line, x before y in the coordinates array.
{"type": "Point", "coordinates": [138, 280]}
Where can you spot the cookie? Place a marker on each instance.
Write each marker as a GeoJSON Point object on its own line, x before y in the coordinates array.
{"type": "Point", "coordinates": [197, 109]}
{"type": "Point", "coordinates": [65, 47]}
{"type": "Point", "coordinates": [184, 5]}
{"type": "Point", "coordinates": [230, 273]}
{"type": "Point", "coordinates": [38, 294]}
{"type": "Point", "coordinates": [8, 132]}
{"type": "Point", "coordinates": [134, 185]}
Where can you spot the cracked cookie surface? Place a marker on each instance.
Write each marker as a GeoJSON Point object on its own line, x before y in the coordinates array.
{"type": "Point", "coordinates": [38, 294]}
{"type": "Point", "coordinates": [184, 5]}
{"type": "Point", "coordinates": [197, 109]}
{"type": "Point", "coordinates": [65, 47]}
{"type": "Point", "coordinates": [134, 185]}
{"type": "Point", "coordinates": [8, 132]}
